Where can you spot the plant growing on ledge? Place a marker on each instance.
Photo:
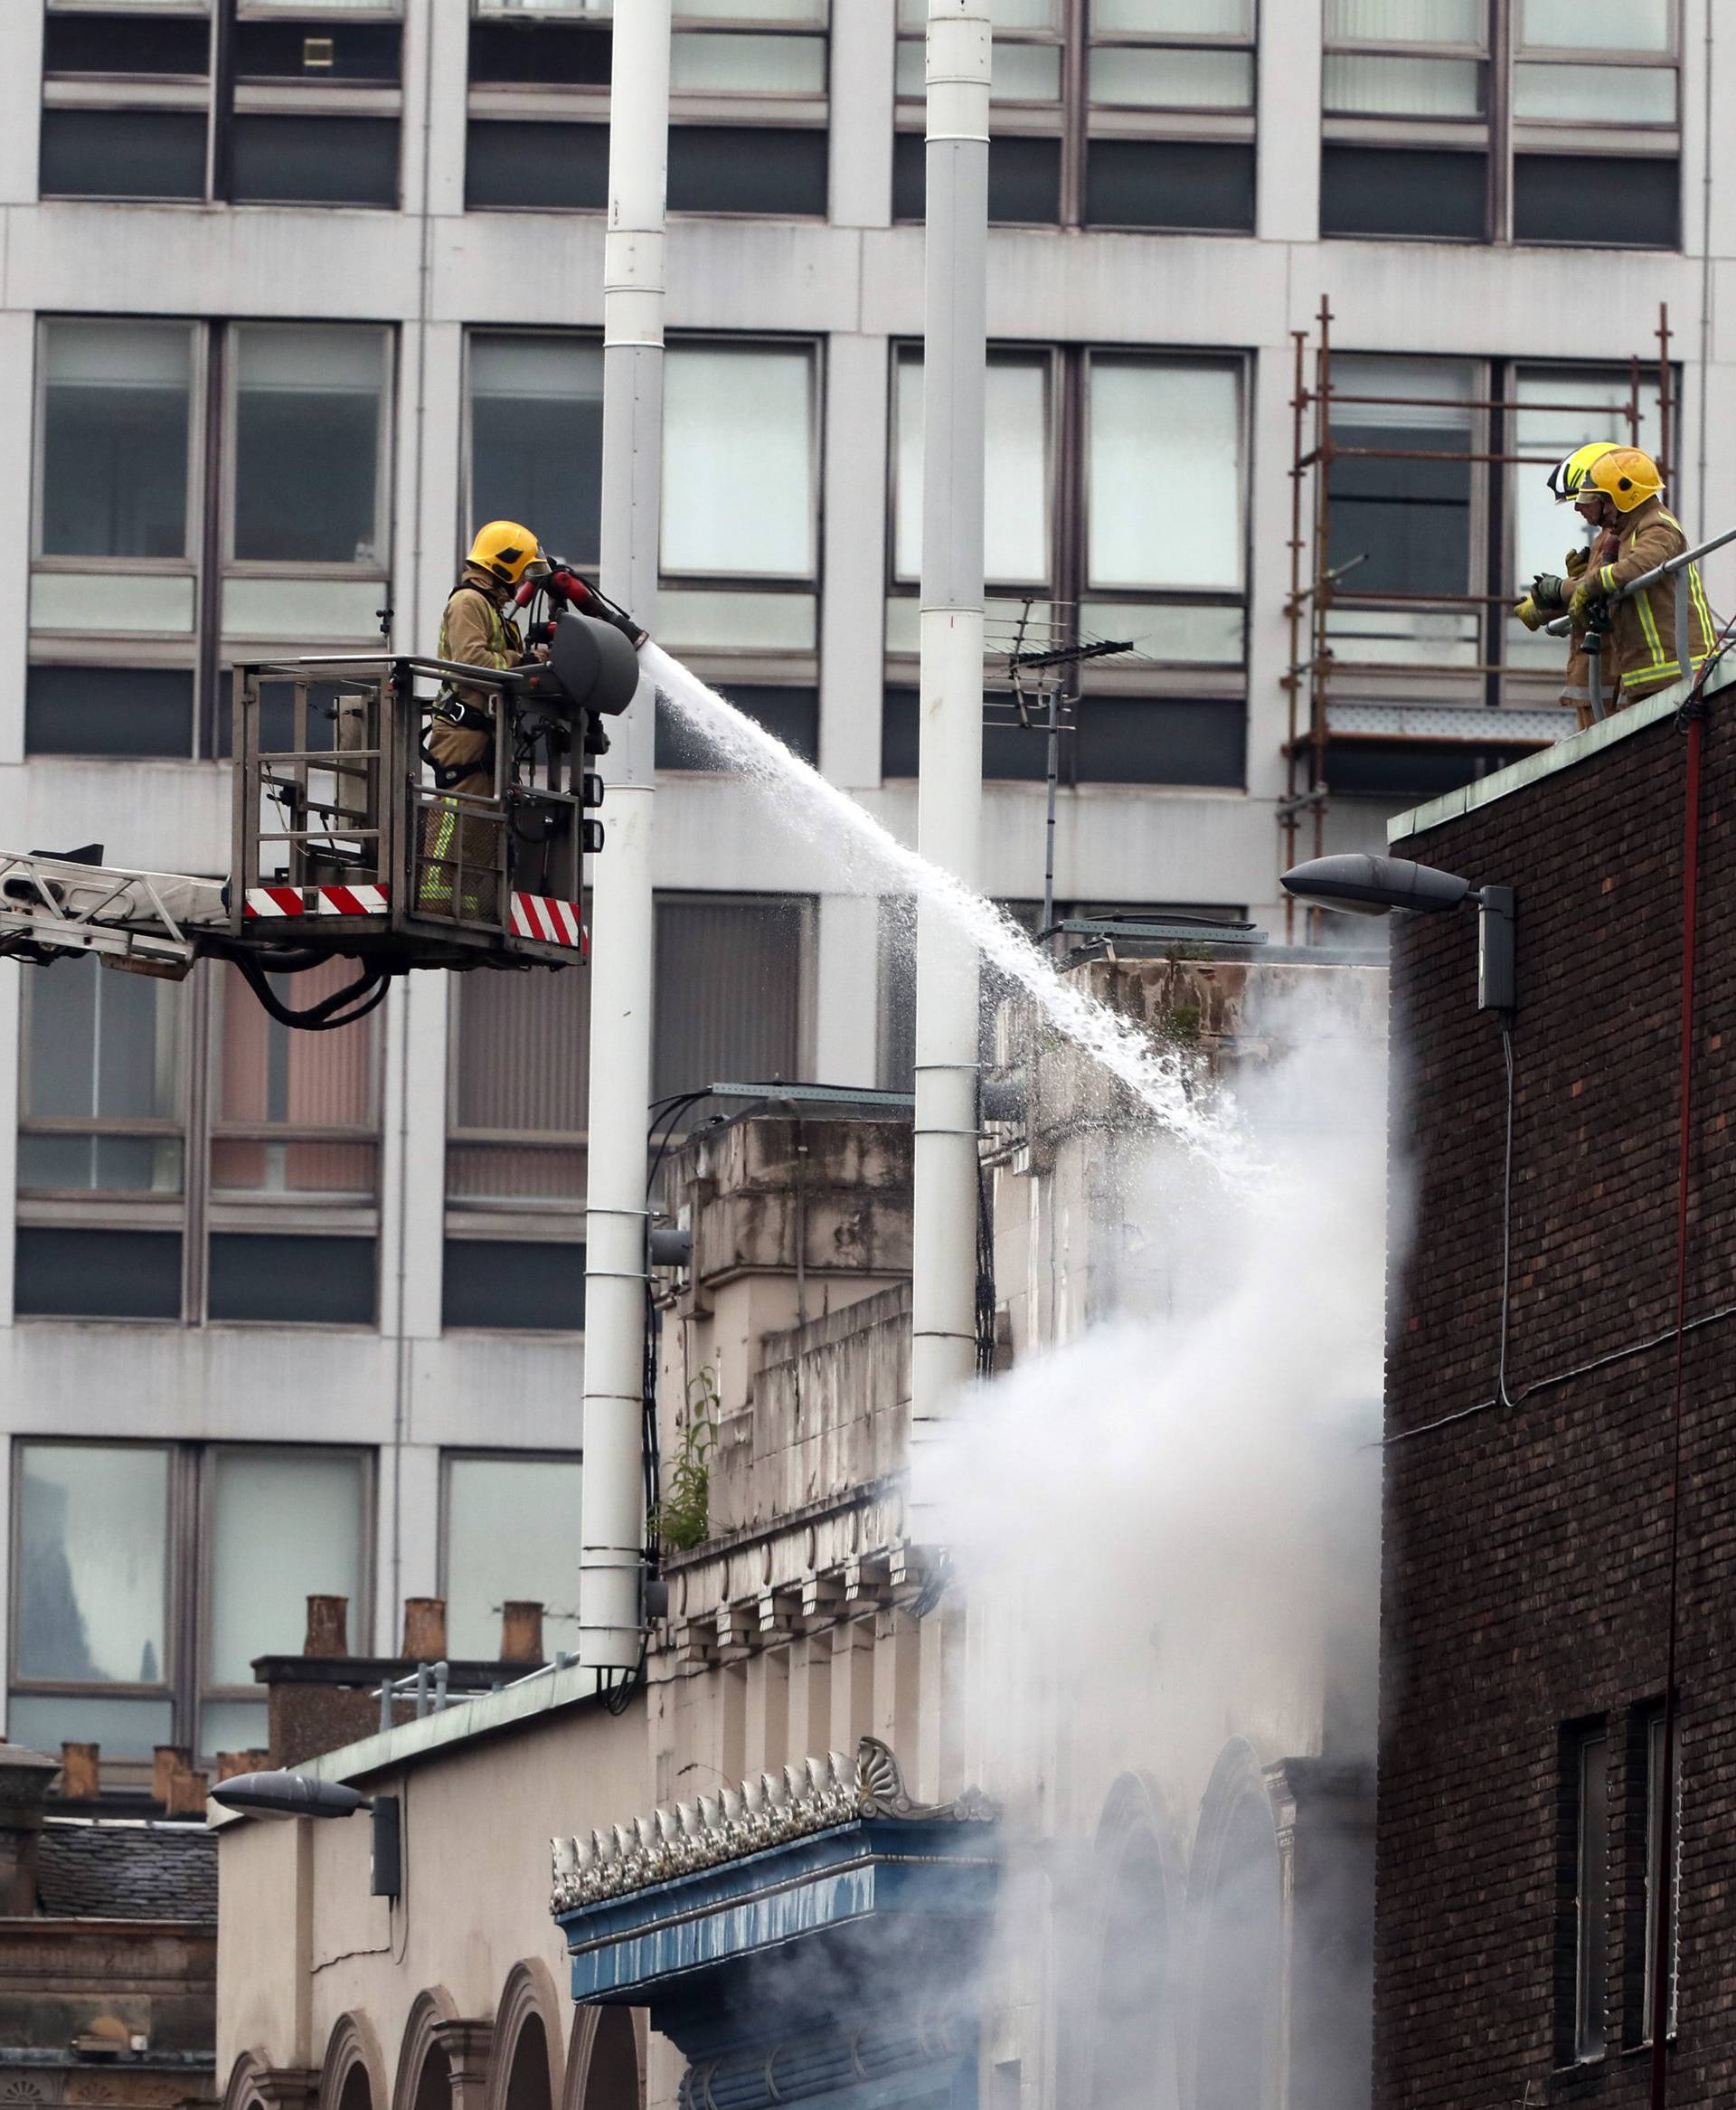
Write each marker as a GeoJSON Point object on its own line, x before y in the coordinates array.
{"type": "Point", "coordinates": [681, 1520]}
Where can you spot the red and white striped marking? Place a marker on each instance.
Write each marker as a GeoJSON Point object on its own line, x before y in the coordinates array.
{"type": "Point", "coordinates": [555, 923]}
{"type": "Point", "coordinates": [316, 901]}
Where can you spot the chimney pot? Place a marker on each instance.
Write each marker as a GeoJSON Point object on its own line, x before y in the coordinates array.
{"type": "Point", "coordinates": [167, 1761]}
{"type": "Point", "coordinates": [328, 1627]}
{"type": "Point", "coordinates": [230, 1763]}
{"type": "Point", "coordinates": [81, 1772]}
{"type": "Point", "coordinates": [187, 1794]}
{"type": "Point", "coordinates": [424, 1629]}
{"type": "Point", "coordinates": [521, 1631]}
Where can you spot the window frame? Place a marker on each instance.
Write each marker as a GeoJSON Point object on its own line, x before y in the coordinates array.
{"type": "Point", "coordinates": [189, 1580]}
{"type": "Point", "coordinates": [1071, 118]}
{"type": "Point", "coordinates": [208, 649]}
{"type": "Point", "coordinates": [186, 566]}
{"type": "Point", "coordinates": [801, 594]}
{"type": "Point", "coordinates": [1498, 133]}
{"type": "Point", "coordinates": [582, 102]}
{"type": "Point", "coordinates": [1650, 1746]}
{"type": "Point", "coordinates": [813, 347]}
{"type": "Point", "coordinates": [139, 1207]}
{"type": "Point", "coordinates": [235, 567]}
{"type": "Point", "coordinates": [524, 333]}
{"type": "Point", "coordinates": [222, 96]}
{"type": "Point", "coordinates": [201, 1211]}
{"type": "Point", "coordinates": [808, 911]}
{"type": "Point", "coordinates": [557, 1219]}
{"type": "Point", "coordinates": [1589, 2036]}
{"type": "Point", "coordinates": [173, 1640]}
{"type": "Point", "coordinates": [472, 1454]}
{"type": "Point", "coordinates": [1068, 450]}
{"type": "Point", "coordinates": [204, 1687]}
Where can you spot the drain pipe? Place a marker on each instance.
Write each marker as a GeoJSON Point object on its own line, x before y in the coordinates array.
{"type": "Point", "coordinates": [943, 1358]}
{"type": "Point", "coordinates": [611, 1495]}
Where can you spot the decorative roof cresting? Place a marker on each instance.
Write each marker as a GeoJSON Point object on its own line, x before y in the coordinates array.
{"type": "Point", "coordinates": [768, 1809]}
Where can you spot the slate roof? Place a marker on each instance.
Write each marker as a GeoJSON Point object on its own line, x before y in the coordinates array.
{"type": "Point", "coordinates": [127, 1868]}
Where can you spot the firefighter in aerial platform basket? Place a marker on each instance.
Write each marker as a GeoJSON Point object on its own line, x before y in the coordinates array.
{"type": "Point", "coordinates": [1618, 492]}
{"type": "Point", "coordinates": [464, 841]}
{"type": "Point", "coordinates": [460, 846]}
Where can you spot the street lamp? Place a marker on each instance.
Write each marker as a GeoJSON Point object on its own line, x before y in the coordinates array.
{"type": "Point", "coordinates": [1358, 885]}
{"type": "Point", "coordinates": [298, 1794]}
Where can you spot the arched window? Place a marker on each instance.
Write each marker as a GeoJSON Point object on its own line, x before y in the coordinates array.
{"type": "Point", "coordinates": [1236, 1898]}
{"type": "Point", "coordinates": [603, 2070]}
{"type": "Point", "coordinates": [1132, 2041]}
{"type": "Point", "coordinates": [527, 2082]}
{"type": "Point", "coordinates": [434, 2083]}
{"type": "Point", "coordinates": [355, 2093]}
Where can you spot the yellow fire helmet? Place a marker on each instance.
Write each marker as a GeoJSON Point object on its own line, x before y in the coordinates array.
{"type": "Point", "coordinates": [1626, 476]}
{"type": "Point", "coordinates": [1567, 479]}
{"type": "Point", "coordinates": [509, 552]}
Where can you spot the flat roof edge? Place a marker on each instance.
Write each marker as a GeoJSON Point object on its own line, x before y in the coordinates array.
{"type": "Point", "coordinates": [487, 1715]}
{"type": "Point", "coordinates": [1566, 753]}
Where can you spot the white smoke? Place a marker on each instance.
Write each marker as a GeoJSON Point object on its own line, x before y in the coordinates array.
{"type": "Point", "coordinates": [1166, 1526]}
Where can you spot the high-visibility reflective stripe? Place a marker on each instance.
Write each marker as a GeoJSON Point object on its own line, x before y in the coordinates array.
{"type": "Point", "coordinates": [1654, 643]}
{"type": "Point", "coordinates": [438, 881]}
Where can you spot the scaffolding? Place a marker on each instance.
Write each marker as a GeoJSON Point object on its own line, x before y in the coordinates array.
{"type": "Point", "coordinates": [1335, 703]}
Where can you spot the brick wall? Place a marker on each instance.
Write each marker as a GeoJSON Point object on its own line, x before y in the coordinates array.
{"type": "Point", "coordinates": [1525, 1552]}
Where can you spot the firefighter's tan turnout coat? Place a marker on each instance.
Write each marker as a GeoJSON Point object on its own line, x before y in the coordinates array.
{"type": "Point", "coordinates": [461, 746]}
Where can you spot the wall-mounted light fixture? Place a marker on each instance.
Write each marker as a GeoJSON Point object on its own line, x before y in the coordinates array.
{"type": "Point", "coordinates": [1359, 885]}
{"type": "Point", "coordinates": [298, 1794]}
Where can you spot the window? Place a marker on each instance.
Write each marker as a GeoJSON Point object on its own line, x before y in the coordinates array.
{"type": "Point", "coordinates": [1432, 543]}
{"type": "Point", "coordinates": [1106, 113]}
{"type": "Point", "coordinates": [515, 1255]}
{"type": "Point", "coordinates": [512, 1533]}
{"type": "Point", "coordinates": [520, 1061]}
{"type": "Point", "coordinates": [1071, 538]}
{"type": "Point", "coordinates": [731, 991]}
{"type": "Point", "coordinates": [1657, 1891]}
{"type": "Point", "coordinates": [1589, 149]}
{"type": "Point", "coordinates": [740, 503]}
{"type": "Point", "coordinates": [147, 1577]}
{"type": "Point", "coordinates": [134, 606]}
{"type": "Point", "coordinates": [733, 64]}
{"type": "Point", "coordinates": [536, 437]}
{"type": "Point", "coordinates": [1585, 1892]}
{"type": "Point", "coordinates": [282, 103]}
{"type": "Point", "coordinates": [282, 1170]}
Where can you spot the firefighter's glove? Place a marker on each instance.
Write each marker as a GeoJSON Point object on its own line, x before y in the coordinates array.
{"type": "Point", "coordinates": [1587, 601]}
{"type": "Point", "coordinates": [1550, 590]}
{"type": "Point", "coordinates": [1577, 560]}
{"type": "Point", "coordinates": [1533, 617]}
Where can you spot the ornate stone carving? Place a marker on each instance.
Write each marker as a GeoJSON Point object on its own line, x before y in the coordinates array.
{"type": "Point", "coordinates": [767, 1809]}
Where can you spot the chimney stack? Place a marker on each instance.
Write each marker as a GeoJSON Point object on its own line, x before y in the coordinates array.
{"type": "Point", "coordinates": [81, 1772]}
{"type": "Point", "coordinates": [328, 1627]}
{"type": "Point", "coordinates": [424, 1629]}
{"type": "Point", "coordinates": [167, 1761]}
{"type": "Point", "coordinates": [25, 1778]}
{"type": "Point", "coordinates": [521, 1631]}
{"type": "Point", "coordinates": [187, 1791]}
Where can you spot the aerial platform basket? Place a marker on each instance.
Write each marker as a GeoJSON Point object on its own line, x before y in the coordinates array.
{"type": "Point", "coordinates": [340, 844]}
{"type": "Point", "coordinates": [348, 841]}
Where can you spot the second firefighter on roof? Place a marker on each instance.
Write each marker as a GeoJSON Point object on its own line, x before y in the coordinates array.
{"type": "Point", "coordinates": [1618, 492]}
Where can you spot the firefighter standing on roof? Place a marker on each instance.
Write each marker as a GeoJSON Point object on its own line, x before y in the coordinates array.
{"type": "Point", "coordinates": [1618, 492]}
{"type": "Point", "coordinates": [461, 846]}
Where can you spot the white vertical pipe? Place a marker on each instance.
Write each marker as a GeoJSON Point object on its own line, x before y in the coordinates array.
{"type": "Point", "coordinates": [950, 763]}
{"type": "Point", "coordinates": [612, 1496]}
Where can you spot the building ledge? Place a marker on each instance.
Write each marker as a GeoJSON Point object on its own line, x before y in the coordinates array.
{"type": "Point", "coordinates": [541, 1693]}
